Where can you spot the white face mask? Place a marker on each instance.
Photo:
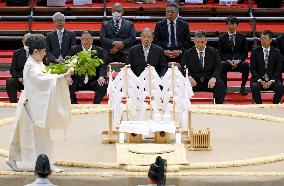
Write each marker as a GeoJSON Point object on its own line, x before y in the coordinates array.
{"type": "Point", "coordinates": [116, 16]}
{"type": "Point", "coordinates": [26, 47]}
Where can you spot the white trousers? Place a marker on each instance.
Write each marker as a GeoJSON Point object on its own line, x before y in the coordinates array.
{"type": "Point", "coordinates": [29, 140]}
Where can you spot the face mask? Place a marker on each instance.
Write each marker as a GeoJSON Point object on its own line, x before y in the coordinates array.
{"type": "Point", "coordinates": [116, 16]}
{"type": "Point", "coordinates": [26, 47]}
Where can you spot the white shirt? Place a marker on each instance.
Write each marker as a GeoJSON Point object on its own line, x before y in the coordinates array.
{"type": "Point", "coordinates": [146, 51]}
{"type": "Point", "coordinates": [169, 31]}
{"type": "Point", "coordinates": [41, 181]}
{"type": "Point", "coordinates": [203, 55]}
{"type": "Point", "coordinates": [89, 49]}
{"type": "Point", "coordinates": [62, 31]}
{"type": "Point", "coordinates": [234, 36]}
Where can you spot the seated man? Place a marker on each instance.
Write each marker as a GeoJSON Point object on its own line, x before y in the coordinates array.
{"type": "Point", "coordinates": [233, 49]}
{"type": "Point", "coordinates": [147, 53]}
{"type": "Point", "coordinates": [117, 36]}
{"type": "Point", "coordinates": [42, 171]}
{"type": "Point", "coordinates": [265, 67]}
{"type": "Point", "coordinates": [59, 41]}
{"type": "Point", "coordinates": [96, 83]}
{"type": "Point", "coordinates": [204, 68]}
{"type": "Point", "coordinates": [172, 34]}
{"type": "Point", "coordinates": [15, 83]}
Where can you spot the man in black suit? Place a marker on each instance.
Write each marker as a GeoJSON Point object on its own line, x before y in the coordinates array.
{"type": "Point", "coordinates": [15, 83]}
{"type": "Point", "coordinates": [117, 36]}
{"type": "Point", "coordinates": [280, 47]}
{"type": "Point", "coordinates": [172, 34]}
{"type": "Point", "coordinates": [146, 53]}
{"type": "Point", "coordinates": [204, 68]}
{"type": "Point", "coordinates": [96, 83]}
{"type": "Point", "coordinates": [60, 41]}
{"type": "Point", "coordinates": [233, 49]}
{"type": "Point", "coordinates": [265, 67]}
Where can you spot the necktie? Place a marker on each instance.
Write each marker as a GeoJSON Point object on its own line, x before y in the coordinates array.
{"type": "Point", "coordinates": [146, 52]}
{"type": "Point", "coordinates": [173, 39]}
{"type": "Point", "coordinates": [117, 27]}
{"type": "Point", "coordinates": [266, 63]}
{"type": "Point", "coordinates": [231, 42]}
{"type": "Point", "coordinates": [201, 58]}
{"type": "Point", "coordinates": [60, 36]}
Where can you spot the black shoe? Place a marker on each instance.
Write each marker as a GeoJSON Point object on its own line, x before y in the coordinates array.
{"type": "Point", "coordinates": [226, 91]}
{"type": "Point", "coordinates": [243, 91]}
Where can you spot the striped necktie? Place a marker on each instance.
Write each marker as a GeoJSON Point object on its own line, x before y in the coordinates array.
{"type": "Point", "coordinates": [266, 63]}
{"type": "Point", "coordinates": [117, 27]}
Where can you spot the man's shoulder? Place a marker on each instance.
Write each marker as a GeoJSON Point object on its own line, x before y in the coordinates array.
{"type": "Point", "coordinates": [76, 47]}
{"type": "Point", "coordinates": [181, 21]}
{"type": "Point", "coordinates": [49, 34]}
{"type": "Point", "coordinates": [223, 36]}
{"type": "Point", "coordinates": [127, 21]}
{"type": "Point", "coordinates": [69, 32]}
{"type": "Point", "coordinates": [256, 49]}
{"type": "Point", "coordinates": [18, 51]}
{"type": "Point", "coordinates": [161, 22]}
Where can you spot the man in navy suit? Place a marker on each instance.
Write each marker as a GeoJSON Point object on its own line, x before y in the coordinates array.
{"type": "Point", "coordinates": [96, 83]}
{"type": "Point", "coordinates": [59, 42]}
{"type": "Point", "coordinates": [15, 83]}
{"type": "Point", "coordinates": [233, 50]}
{"type": "Point", "coordinates": [117, 36]}
{"type": "Point", "coordinates": [172, 34]}
{"type": "Point", "coordinates": [265, 67]}
{"type": "Point", "coordinates": [146, 53]}
{"type": "Point", "coordinates": [204, 68]}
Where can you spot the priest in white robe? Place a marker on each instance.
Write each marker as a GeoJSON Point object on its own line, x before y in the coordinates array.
{"type": "Point", "coordinates": [43, 105]}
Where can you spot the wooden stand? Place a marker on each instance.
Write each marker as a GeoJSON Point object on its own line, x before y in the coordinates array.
{"type": "Point", "coordinates": [162, 137]}
{"type": "Point", "coordinates": [200, 140]}
{"type": "Point", "coordinates": [110, 138]}
{"type": "Point", "coordinates": [134, 138]}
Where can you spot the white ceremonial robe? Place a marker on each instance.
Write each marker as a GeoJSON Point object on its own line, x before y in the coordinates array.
{"type": "Point", "coordinates": [44, 104]}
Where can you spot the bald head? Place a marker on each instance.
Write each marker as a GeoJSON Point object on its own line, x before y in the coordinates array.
{"type": "Point", "coordinates": [117, 7]}
{"type": "Point", "coordinates": [146, 37]}
{"type": "Point", "coordinates": [146, 31]}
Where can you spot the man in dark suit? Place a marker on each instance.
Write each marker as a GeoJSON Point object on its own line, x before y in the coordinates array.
{"type": "Point", "coordinates": [265, 67]}
{"type": "Point", "coordinates": [233, 50]}
{"type": "Point", "coordinates": [172, 34]}
{"type": "Point", "coordinates": [117, 36]}
{"type": "Point", "coordinates": [204, 68]}
{"type": "Point", "coordinates": [146, 53]}
{"type": "Point", "coordinates": [15, 83]}
{"type": "Point", "coordinates": [59, 41]}
{"type": "Point", "coordinates": [280, 47]}
{"type": "Point", "coordinates": [96, 83]}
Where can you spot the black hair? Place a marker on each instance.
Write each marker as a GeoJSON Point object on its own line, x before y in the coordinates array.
{"type": "Point", "coordinates": [232, 19]}
{"type": "Point", "coordinates": [36, 41]}
{"type": "Point", "coordinates": [200, 34]}
{"type": "Point", "coordinates": [42, 167]}
{"type": "Point", "coordinates": [172, 4]}
{"type": "Point", "coordinates": [157, 171]}
{"type": "Point", "coordinates": [268, 33]}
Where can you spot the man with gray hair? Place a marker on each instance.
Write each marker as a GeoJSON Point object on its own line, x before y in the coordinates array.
{"type": "Point", "coordinates": [117, 36]}
{"type": "Point", "coordinates": [204, 68]}
{"type": "Point", "coordinates": [59, 41]}
{"type": "Point", "coordinates": [146, 53]}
